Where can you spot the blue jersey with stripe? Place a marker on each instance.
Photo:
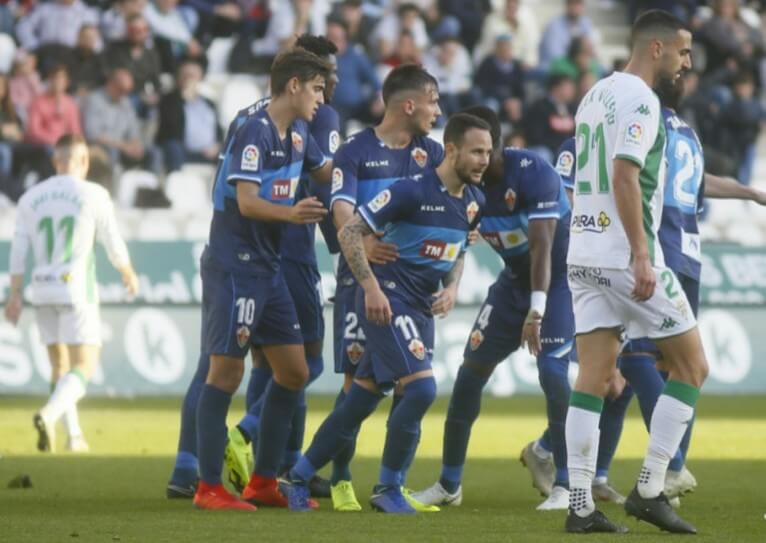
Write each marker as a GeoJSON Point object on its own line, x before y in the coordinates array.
{"type": "Point", "coordinates": [684, 189]}
{"type": "Point", "coordinates": [430, 228]}
{"type": "Point", "coordinates": [364, 166]}
{"type": "Point", "coordinates": [254, 153]}
{"type": "Point", "coordinates": [530, 189]}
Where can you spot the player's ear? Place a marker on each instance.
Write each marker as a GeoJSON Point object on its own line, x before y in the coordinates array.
{"type": "Point", "coordinates": [657, 48]}
{"type": "Point", "coordinates": [293, 85]}
{"type": "Point", "coordinates": [408, 106]}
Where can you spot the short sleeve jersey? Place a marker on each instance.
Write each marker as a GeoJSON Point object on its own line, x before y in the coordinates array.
{"type": "Point", "coordinates": [364, 166]}
{"type": "Point", "coordinates": [618, 118]}
{"type": "Point", "coordinates": [254, 153]}
{"type": "Point", "coordinates": [679, 234]}
{"type": "Point", "coordinates": [530, 190]}
{"type": "Point", "coordinates": [430, 228]}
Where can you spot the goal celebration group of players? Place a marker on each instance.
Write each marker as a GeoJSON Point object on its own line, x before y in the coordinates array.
{"type": "Point", "coordinates": [601, 266]}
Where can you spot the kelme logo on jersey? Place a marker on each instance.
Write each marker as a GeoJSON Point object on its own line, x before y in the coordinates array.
{"type": "Point", "coordinates": [355, 352]}
{"type": "Point", "coordinates": [436, 249]}
{"type": "Point", "coordinates": [243, 336]}
{"type": "Point", "coordinates": [334, 141]}
{"type": "Point", "coordinates": [634, 134]}
{"type": "Point", "coordinates": [510, 199]}
{"type": "Point", "coordinates": [420, 156]}
{"type": "Point", "coordinates": [337, 180]}
{"type": "Point", "coordinates": [380, 201]}
{"type": "Point", "coordinates": [590, 223]}
{"type": "Point", "coordinates": [297, 142]}
{"type": "Point", "coordinates": [476, 339]}
{"type": "Point", "coordinates": [564, 164]}
{"type": "Point", "coordinates": [417, 349]}
{"type": "Point", "coordinates": [471, 211]}
{"type": "Point", "coordinates": [250, 158]}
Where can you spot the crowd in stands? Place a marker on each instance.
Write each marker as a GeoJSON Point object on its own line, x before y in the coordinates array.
{"type": "Point", "coordinates": [127, 73]}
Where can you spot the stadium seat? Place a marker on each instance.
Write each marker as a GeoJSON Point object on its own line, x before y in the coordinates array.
{"type": "Point", "coordinates": [724, 212]}
{"type": "Point", "coordinates": [7, 223]}
{"type": "Point", "coordinates": [239, 92]}
{"type": "Point", "coordinates": [218, 55]}
{"type": "Point", "coordinates": [197, 226]}
{"type": "Point", "coordinates": [157, 225]}
{"type": "Point", "coordinates": [7, 53]}
{"type": "Point", "coordinates": [129, 183]}
{"type": "Point", "coordinates": [186, 190]}
{"type": "Point", "coordinates": [743, 231]}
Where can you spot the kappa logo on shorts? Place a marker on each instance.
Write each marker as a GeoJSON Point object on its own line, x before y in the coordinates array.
{"type": "Point", "coordinates": [417, 349]}
{"type": "Point", "coordinates": [476, 339]}
{"type": "Point", "coordinates": [420, 156]}
{"type": "Point", "coordinates": [250, 156]}
{"type": "Point", "coordinates": [355, 352]}
{"type": "Point", "coordinates": [297, 142]}
{"type": "Point", "coordinates": [668, 323]}
{"type": "Point", "coordinates": [243, 336]}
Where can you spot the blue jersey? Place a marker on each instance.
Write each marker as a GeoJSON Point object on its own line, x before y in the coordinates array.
{"type": "Point", "coordinates": [254, 153]}
{"type": "Point", "coordinates": [429, 227]}
{"type": "Point", "coordinates": [364, 166]}
{"type": "Point", "coordinates": [678, 233]}
{"type": "Point", "coordinates": [565, 163]}
{"type": "Point", "coordinates": [530, 189]}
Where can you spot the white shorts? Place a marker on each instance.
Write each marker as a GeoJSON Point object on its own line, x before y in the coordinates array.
{"type": "Point", "coordinates": [601, 299]}
{"type": "Point", "coordinates": [69, 324]}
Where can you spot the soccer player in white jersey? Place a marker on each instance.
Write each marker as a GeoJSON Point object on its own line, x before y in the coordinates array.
{"type": "Point", "coordinates": [617, 274]}
{"type": "Point", "coordinates": [59, 221]}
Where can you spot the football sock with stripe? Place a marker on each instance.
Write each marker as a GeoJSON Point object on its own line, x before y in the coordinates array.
{"type": "Point", "coordinates": [582, 436]}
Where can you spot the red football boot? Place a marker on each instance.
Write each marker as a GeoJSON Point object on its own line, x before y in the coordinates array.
{"type": "Point", "coordinates": [215, 497]}
{"type": "Point", "coordinates": [265, 492]}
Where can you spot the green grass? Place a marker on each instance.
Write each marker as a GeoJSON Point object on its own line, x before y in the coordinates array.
{"type": "Point", "coordinates": [116, 493]}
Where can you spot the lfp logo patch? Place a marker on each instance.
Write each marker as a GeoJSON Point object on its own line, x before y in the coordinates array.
{"type": "Point", "coordinates": [565, 163]}
{"type": "Point", "coordinates": [250, 156]}
{"type": "Point", "coordinates": [634, 134]}
{"type": "Point", "coordinates": [380, 201]}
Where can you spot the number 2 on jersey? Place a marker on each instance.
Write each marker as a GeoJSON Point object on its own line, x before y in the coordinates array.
{"type": "Point", "coordinates": [67, 225]}
{"type": "Point", "coordinates": [585, 143]}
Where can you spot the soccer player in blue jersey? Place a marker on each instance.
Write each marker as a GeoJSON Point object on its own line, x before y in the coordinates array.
{"type": "Point", "coordinates": [428, 219]}
{"type": "Point", "coordinates": [366, 164]}
{"type": "Point", "coordinates": [245, 298]}
{"type": "Point", "coordinates": [299, 266]}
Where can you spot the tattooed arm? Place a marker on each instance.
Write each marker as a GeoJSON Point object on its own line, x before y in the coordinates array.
{"type": "Point", "coordinates": [350, 237]}
{"type": "Point", "coordinates": [446, 298]}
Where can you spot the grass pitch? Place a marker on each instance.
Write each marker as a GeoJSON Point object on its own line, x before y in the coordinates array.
{"type": "Point", "coordinates": [116, 493]}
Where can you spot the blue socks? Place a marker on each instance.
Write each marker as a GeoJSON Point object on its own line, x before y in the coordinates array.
{"type": "Point", "coordinates": [341, 462]}
{"type": "Point", "coordinates": [279, 405]}
{"type": "Point", "coordinates": [295, 438]}
{"type": "Point", "coordinates": [212, 408]}
{"type": "Point", "coordinates": [186, 470]}
{"type": "Point", "coordinates": [553, 376]}
{"type": "Point", "coordinates": [610, 425]}
{"type": "Point", "coordinates": [404, 429]}
{"type": "Point", "coordinates": [256, 386]}
{"type": "Point", "coordinates": [464, 408]}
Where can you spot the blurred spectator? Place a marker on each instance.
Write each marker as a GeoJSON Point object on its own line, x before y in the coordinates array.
{"type": "Point", "coordinates": [683, 9]}
{"type": "Point", "coordinates": [141, 60]}
{"type": "Point", "coordinates": [358, 90]}
{"type": "Point", "coordinates": [54, 113]}
{"type": "Point", "coordinates": [173, 30]}
{"type": "Point", "coordinates": [84, 62]}
{"type": "Point", "coordinates": [500, 78]}
{"type": "Point", "coordinates": [439, 25]}
{"type": "Point", "coordinates": [562, 29]}
{"type": "Point", "coordinates": [518, 21]}
{"type": "Point", "coordinates": [450, 64]}
{"type": "Point", "coordinates": [360, 26]}
{"type": "Point", "coordinates": [7, 17]}
{"type": "Point", "coordinates": [727, 37]}
{"type": "Point", "coordinates": [407, 17]}
{"type": "Point", "coordinates": [55, 22]}
{"type": "Point", "coordinates": [25, 84]}
{"type": "Point", "coordinates": [405, 52]}
{"type": "Point", "coordinates": [585, 80]}
{"type": "Point", "coordinates": [111, 122]}
{"type": "Point", "coordinates": [189, 130]}
{"type": "Point", "coordinates": [471, 14]}
{"type": "Point", "coordinates": [10, 135]}
{"type": "Point", "coordinates": [550, 120]}
{"type": "Point", "coordinates": [580, 58]}
{"type": "Point", "coordinates": [114, 21]}
{"type": "Point", "coordinates": [516, 139]}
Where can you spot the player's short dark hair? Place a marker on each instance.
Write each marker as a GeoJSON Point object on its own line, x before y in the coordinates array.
{"type": "Point", "coordinates": [319, 45]}
{"type": "Point", "coordinates": [460, 123]}
{"type": "Point", "coordinates": [407, 77]}
{"type": "Point", "coordinates": [655, 23]}
{"type": "Point", "coordinates": [489, 116]}
{"type": "Point", "coordinates": [67, 141]}
{"type": "Point", "coordinates": [298, 63]}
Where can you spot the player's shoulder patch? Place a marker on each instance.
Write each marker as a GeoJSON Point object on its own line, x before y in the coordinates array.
{"type": "Point", "coordinates": [250, 156]}
{"type": "Point", "coordinates": [565, 163]}
{"type": "Point", "coordinates": [634, 134]}
{"type": "Point", "coordinates": [297, 141]}
{"type": "Point", "coordinates": [420, 156]}
{"type": "Point", "coordinates": [337, 180]}
{"type": "Point", "coordinates": [333, 141]}
{"type": "Point", "coordinates": [380, 201]}
{"type": "Point", "coordinates": [471, 210]}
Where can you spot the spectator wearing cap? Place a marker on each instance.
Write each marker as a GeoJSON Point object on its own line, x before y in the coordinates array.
{"type": "Point", "coordinates": [562, 29]}
{"type": "Point", "coordinates": [550, 120]}
{"type": "Point", "coordinates": [500, 78]}
{"type": "Point", "coordinates": [450, 63]}
{"type": "Point", "coordinates": [518, 21]}
{"type": "Point", "coordinates": [55, 22]}
{"type": "Point", "coordinates": [54, 113]}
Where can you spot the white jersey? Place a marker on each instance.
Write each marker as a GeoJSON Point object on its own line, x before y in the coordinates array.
{"type": "Point", "coordinates": [60, 219]}
{"type": "Point", "coordinates": [618, 118]}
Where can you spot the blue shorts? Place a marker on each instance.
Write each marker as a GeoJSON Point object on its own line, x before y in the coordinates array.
{"type": "Point", "coordinates": [497, 330]}
{"type": "Point", "coordinates": [240, 310]}
{"type": "Point", "coordinates": [404, 347]}
{"type": "Point", "coordinates": [348, 337]}
{"type": "Point", "coordinates": [691, 288]}
{"type": "Point", "coordinates": [304, 282]}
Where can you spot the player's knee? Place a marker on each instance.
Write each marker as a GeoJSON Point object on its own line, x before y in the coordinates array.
{"type": "Point", "coordinates": [552, 374]}
{"type": "Point", "coordinates": [480, 369]}
{"type": "Point", "coordinates": [421, 392]}
{"type": "Point", "coordinates": [226, 377]}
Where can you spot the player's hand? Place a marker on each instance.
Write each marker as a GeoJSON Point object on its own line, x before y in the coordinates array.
{"type": "Point", "coordinates": [645, 278]}
{"type": "Point", "coordinates": [130, 280]}
{"type": "Point", "coordinates": [379, 252]}
{"type": "Point", "coordinates": [444, 302]}
{"type": "Point", "coordinates": [530, 334]}
{"type": "Point", "coordinates": [13, 308]}
{"type": "Point", "coordinates": [307, 211]}
{"type": "Point", "coordinates": [616, 385]}
{"type": "Point", "coordinates": [759, 197]}
{"type": "Point", "coordinates": [473, 236]}
{"type": "Point", "coordinates": [376, 306]}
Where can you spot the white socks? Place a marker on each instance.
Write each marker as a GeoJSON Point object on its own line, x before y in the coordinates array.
{"type": "Point", "coordinates": [69, 390]}
{"type": "Point", "coordinates": [582, 436]}
{"type": "Point", "coordinates": [72, 422]}
{"type": "Point", "coordinates": [670, 419]}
